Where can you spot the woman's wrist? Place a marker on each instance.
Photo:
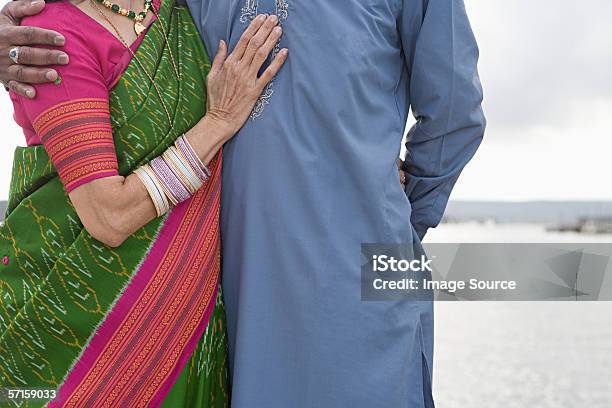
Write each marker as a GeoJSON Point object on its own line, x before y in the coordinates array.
{"type": "Point", "coordinates": [208, 136]}
{"type": "Point", "coordinates": [217, 127]}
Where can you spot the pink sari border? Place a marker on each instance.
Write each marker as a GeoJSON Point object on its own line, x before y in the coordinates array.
{"type": "Point", "coordinates": [161, 394]}
{"type": "Point", "coordinates": [123, 306]}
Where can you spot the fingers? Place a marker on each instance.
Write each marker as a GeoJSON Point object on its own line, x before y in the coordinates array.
{"type": "Point", "coordinates": [41, 56]}
{"type": "Point", "coordinates": [31, 75]}
{"type": "Point", "coordinates": [270, 72]}
{"type": "Point", "coordinates": [27, 35]}
{"type": "Point", "coordinates": [219, 58]}
{"type": "Point", "coordinates": [259, 39]}
{"type": "Point", "coordinates": [12, 35]}
{"type": "Point", "coordinates": [22, 89]}
{"type": "Point", "coordinates": [16, 10]}
{"type": "Point", "coordinates": [251, 30]}
{"type": "Point", "coordinates": [402, 174]}
{"type": "Point", "coordinates": [262, 53]}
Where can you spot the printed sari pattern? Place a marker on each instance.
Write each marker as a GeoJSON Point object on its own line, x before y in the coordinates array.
{"type": "Point", "coordinates": [118, 326]}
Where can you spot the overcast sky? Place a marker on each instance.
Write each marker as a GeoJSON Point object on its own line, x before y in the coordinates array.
{"type": "Point", "coordinates": [546, 69]}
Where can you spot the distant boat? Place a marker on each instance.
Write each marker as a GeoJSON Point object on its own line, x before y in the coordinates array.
{"type": "Point", "coordinates": [600, 225]}
{"type": "Point", "coordinates": [540, 212]}
{"type": "Point", "coordinates": [586, 225]}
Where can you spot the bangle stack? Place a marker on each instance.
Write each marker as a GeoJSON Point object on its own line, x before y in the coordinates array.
{"type": "Point", "coordinates": [174, 176]}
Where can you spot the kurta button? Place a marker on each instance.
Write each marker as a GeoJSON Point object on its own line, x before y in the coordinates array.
{"type": "Point", "coordinates": [5, 260]}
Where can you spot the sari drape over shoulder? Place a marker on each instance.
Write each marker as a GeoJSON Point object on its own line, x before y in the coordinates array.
{"type": "Point", "coordinates": [138, 325]}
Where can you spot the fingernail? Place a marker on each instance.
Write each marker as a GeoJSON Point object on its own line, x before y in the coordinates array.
{"type": "Point", "coordinates": [274, 19]}
{"type": "Point", "coordinates": [62, 59]}
{"type": "Point", "coordinates": [278, 30]}
{"type": "Point", "coordinates": [37, 2]}
{"type": "Point", "coordinates": [261, 17]}
{"type": "Point", "coordinates": [59, 40]}
{"type": "Point", "coordinates": [51, 75]}
{"type": "Point", "coordinates": [30, 93]}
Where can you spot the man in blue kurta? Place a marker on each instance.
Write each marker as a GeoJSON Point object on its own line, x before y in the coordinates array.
{"type": "Point", "coordinates": [313, 175]}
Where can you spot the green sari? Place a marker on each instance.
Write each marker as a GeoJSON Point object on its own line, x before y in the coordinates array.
{"type": "Point", "coordinates": [138, 325]}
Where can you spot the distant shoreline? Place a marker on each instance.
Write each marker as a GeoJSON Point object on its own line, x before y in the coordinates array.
{"type": "Point", "coordinates": [561, 213]}
{"type": "Point", "coordinates": [542, 212]}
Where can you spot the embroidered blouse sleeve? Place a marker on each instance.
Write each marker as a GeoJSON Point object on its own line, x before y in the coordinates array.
{"type": "Point", "coordinates": [71, 117]}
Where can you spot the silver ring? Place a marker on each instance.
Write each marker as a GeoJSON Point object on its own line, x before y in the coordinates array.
{"type": "Point", "coordinates": [14, 55]}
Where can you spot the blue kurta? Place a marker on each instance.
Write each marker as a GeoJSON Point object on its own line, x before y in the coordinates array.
{"type": "Point", "coordinates": [313, 175]}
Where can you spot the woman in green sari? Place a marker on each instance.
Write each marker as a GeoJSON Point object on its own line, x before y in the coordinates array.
{"type": "Point", "coordinates": [110, 247]}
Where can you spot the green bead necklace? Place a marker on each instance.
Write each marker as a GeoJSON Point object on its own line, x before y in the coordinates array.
{"type": "Point", "coordinates": [138, 18]}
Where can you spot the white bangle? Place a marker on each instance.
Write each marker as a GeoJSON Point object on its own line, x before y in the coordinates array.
{"type": "Point", "coordinates": [149, 180]}
{"type": "Point", "coordinates": [183, 145]}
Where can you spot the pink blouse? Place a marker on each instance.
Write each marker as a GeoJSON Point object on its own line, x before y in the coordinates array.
{"type": "Point", "coordinates": [71, 117]}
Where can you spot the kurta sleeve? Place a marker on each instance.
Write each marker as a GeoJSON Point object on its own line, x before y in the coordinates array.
{"type": "Point", "coordinates": [71, 117]}
{"type": "Point", "coordinates": [445, 95]}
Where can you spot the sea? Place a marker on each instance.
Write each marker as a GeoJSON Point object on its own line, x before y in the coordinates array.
{"type": "Point", "coordinates": [521, 354]}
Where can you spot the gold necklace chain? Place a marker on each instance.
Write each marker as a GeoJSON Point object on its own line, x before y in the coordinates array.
{"type": "Point", "coordinates": [163, 30]}
{"type": "Point", "coordinates": [141, 65]}
{"type": "Point", "coordinates": [129, 13]}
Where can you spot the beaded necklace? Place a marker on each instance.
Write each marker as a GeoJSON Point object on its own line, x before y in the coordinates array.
{"type": "Point", "coordinates": [138, 18]}
{"type": "Point", "coordinates": [140, 64]}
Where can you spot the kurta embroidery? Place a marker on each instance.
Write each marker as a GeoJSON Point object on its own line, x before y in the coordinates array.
{"type": "Point", "coordinates": [248, 13]}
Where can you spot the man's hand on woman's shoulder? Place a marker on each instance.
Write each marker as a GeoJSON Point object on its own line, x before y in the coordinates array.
{"type": "Point", "coordinates": [32, 66]}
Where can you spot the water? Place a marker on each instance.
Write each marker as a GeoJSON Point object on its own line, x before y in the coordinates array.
{"type": "Point", "coordinates": [521, 354]}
